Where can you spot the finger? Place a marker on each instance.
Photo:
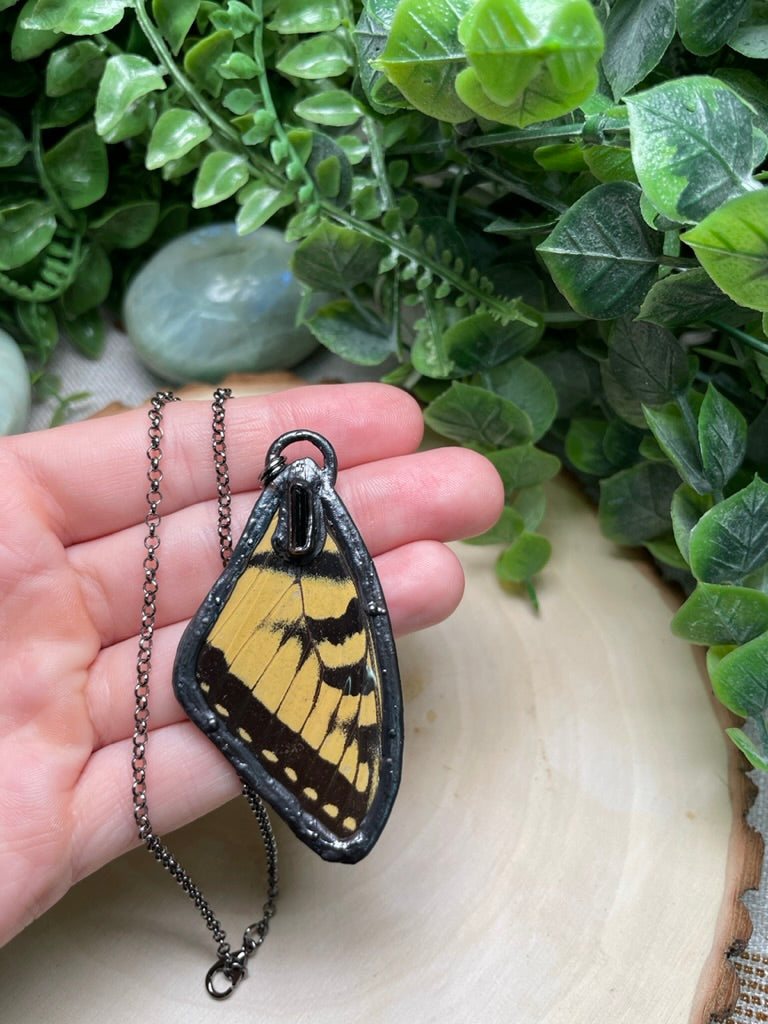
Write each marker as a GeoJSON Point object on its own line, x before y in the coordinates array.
{"type": "Point", "coordinates": [94, 475]}
{"type": "Point", "coordinates": [442, 494]}
{"type": "Point", "coordinates": [423, 583]}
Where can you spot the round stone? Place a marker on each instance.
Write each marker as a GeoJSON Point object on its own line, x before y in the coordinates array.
{"type": "Point", "coordinates": [213, 302]}
{"type": "Point", "coordinates": [15, 388]}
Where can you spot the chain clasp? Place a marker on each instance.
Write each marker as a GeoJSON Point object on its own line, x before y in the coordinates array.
{"type": "Point", "coordinates": [231, 968]}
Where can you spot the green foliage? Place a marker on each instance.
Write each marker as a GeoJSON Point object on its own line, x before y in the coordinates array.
{"type": "Point", "coordinates": [545, 217]}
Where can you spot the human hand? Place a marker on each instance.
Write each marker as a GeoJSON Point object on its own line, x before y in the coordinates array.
{"type": "Point", "coordinates": [71, 551]}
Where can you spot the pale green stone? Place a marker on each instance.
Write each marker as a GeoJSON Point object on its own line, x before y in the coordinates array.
{"type": "Point", "coordinates": [213, 302]}
{"type": "Point", "coordinates": [15, 389]}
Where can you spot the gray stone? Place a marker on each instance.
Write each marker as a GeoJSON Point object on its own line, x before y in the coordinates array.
{"type": "Point", "coordinates": [15, 388]}
{"type": "Point", "coordinates": [213, 302]}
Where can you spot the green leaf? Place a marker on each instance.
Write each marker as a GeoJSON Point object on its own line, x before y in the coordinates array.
{"type": "Point", "coordinates": [748, 748]}
{"type": "Point", "coordinates": [584, 446]}
{"type": "Point", "coordinates": [259, 202]}
{"type": "Point", "coordinates": [13, 144]}
{"type": "Point", "coordinates": [333, 107]}
{"type": "Point", "coordinates": [320, 56]}
{"type": "Point", "coordinates": [508, 526]}
{"type": "Point", "coordinates": [526, 556]}
{"type": "Point", "coordinates": [637, 34]}
{"type": "Point", "coordinates": [126, 79]}
{"type": "Point", "coordinates": [686, 298]}
{"type": "Point", "coordinates": [335, 259]}
{"type": "Point", "coordinates": [740, 679]}
{"type": "Point", "coordinates": [647, 361]}
{"type": "Point", "coordinates": [73, 67]}
{"type": "Point", "coordinates": [344, 330]}
{"type": "Point", "coordinates": [38, 322]}
{"type": "Point", "coordinates": [610, 163]}
{"type": "Point", "coordinates": [687, 509]}
{"type": "Point", "coordinates": [665, 550]}
{"type": "Point", "coordinates": [635, 502]}
{"type": "Point", "coordinates": [126, 226]}
{"type": "Point", "coordinates": [479, 342]}
{"type": "Point", "coordinates": [78, 167]}
{"type": "Point", "coordinates": [751, 37]}
{"type": "Point", "coordinates": [203, 61]}
{"type": "Point", "coordinates": [176, 132]}
{"type": "Point", "coordinates": [87, 333]}
{"type": "Point", "coordinates": [27, 40]}
{"type": "Point", "coordinates": [91, 286]}
{"type": "Point", "coordinates": [221, 174]}
{"type": "Point", "coordinates": [529, 61]}
{"type": "Point", "coordinates": [174, 19]}
{"type": "Point", "coordinates": [602, 255]}
{"type": "Point", "coordinates": [297, 17]}
{"type": "Point", "coordinates": [730, 541]}
{"type": "Point", "coordinates": [370, 37]}
{"type": "Point", "coordinates": [732, 246]}
{"type": "Point", "coordinates": [523, 466]}
{"type": "Point", "coordinates": [673, 435]}
{"type": "Point", "coordinates": [574, 376]}
{"type": "Point", "coordinates": [722, 438]}
{"type": "Point", "coordinates": [423, 55]}
{"type": "Point", "coordinates": [467, 413]}
{"type": "Point", "coordinates": [706, 25]}
{"type": "Point", "coordinates": [718, 614]}
{"type": "Point", "coordinates": [522, 382]}
{"type": "Point", "coordinates": [77, 17]}
{"type": "Point", "coordinates": [691, 142]}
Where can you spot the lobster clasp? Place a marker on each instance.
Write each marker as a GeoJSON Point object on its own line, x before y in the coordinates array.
{"type": "Point", "coordinates": [230, 970]}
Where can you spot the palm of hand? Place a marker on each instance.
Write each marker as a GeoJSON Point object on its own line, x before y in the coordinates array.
{"type": "Point", "coordinates": [71, 536]}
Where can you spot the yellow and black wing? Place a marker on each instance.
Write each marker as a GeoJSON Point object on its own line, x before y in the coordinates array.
{"type": "Point", "coordinates": [290, 667]}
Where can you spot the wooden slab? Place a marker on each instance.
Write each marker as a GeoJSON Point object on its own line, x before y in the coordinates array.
{"type": "Point", "coordinates": [562, 850]}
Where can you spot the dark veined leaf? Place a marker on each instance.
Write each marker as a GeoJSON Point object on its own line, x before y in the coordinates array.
{"type": "Point", "coordinates": [523, 466]}
{"type": "Point", "coordinates": [686, 298]}
{"type": "Point", "coordinates": [637, 34]}
{"type": "Point", "coordinates": [647, 361]}
{"type": "Point", "coordinates": [692, 147]}
{"type": "Point", "coordinates": [688, 506]}
{"type": "Point", "coordinates": [718, 614]}
{"type": "Point", "coordinates": [478, 342]}
{"type": "Point", "coordinates": [602, 255]}
{"type": "Point", "coordinates": [523, 383]}
{"type": "Point", "coordinates": [730, 541]}
{"type": "Point", "coordinates": [706, 25]}
{"type": "Point", "coordinates": [334, 259]}
{"type": "Point", "coordinates": [370, 36]}
{"type": "Point", "coordinates": [423, 55]}
{"type": "Point", "coordinates": [635, 502]}
{"type": "Point", "coordinates": [344, 329]}
{"type": "Point", "coordinates": [732, 246]}
{"type": "Point", "coordinates": [740, 679]}
{"type": "Point", "coordinates": [585, 446]}
{"type": "Point", "coordinates": [673, 434]}
{"type": "Point", "coordinates": [722, 438]}
{"type": "Point", "coordinates": [467, 413]}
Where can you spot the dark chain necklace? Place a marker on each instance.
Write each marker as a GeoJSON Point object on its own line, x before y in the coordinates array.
{"type": "Point", "coordinates": [231, 965]}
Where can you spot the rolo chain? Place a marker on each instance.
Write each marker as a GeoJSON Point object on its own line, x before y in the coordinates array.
{"type": "Point", "coordinates": [231, 965]}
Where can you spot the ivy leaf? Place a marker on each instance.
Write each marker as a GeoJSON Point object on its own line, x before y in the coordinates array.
{"type": "Point", "coordinates": [221, 174]}
{"type": "Point", "coordinates": [126, 79]}
{"type": "Point", "coordinates": [203, 61]}
{"type": "Point", "coordinates": [635, 502]}
{"type": "Point", "coordinates": [722, 438]}
{"type": "Point", "coordinates": [688, 146]}
{"type": "Point", "coordinates": [732, 246]}
{"type": "Point", "coordinates": [297, 17]}
{"type": "Point", "coordinates": [174, 19]}
{"type": "Point", "coordinates": [319, 56]}
{"type": "Point", "coordinates": [73, 67]}
{"type": "Point", "coordinates": [77, 17]}
{"type": "Point", "coordinates": [176, 132]}
{"type": "Point", "coordinates": [647, 361]}
{"type": "Point", "coordinates": [706, 25]}
{"type": "Point", "coordinates": [78, 167]}
{"type": "Point", "coordinates": [467, 413]}
{"type": "Point", "coordinates": [342, 328]}
{"type": "Point", "coordinates": [637, 34]}
{"type": "Point", "coordinates": [333, 107]}
{"type": "Point", "coordinates": [423, 56]}
{"type": "Point", "coordinates": [718, 614]}
{"type": "Point", "coordinates": [686, 298]}
{"type": "Point", "coordinates": [740, 679]}
{"type": "Point", "coordinates": [730, 541]}
{"type": "Point", "coordinates": [602, 255]}
{"type": "Point", "coordinates": [335, 259]}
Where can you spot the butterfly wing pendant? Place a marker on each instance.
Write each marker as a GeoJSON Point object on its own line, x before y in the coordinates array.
{"type": "Point", "coordinates": [289, 666]}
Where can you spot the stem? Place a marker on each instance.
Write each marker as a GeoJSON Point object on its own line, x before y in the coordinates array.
{"type": "Point", "coordinates": [738, 335]}
{"type": "Point", "coordinates": [63, 212]}
{"type": "Point", "coordinates": [539, 133]}
{"type": "Point", "coordinates": [378, 162]}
